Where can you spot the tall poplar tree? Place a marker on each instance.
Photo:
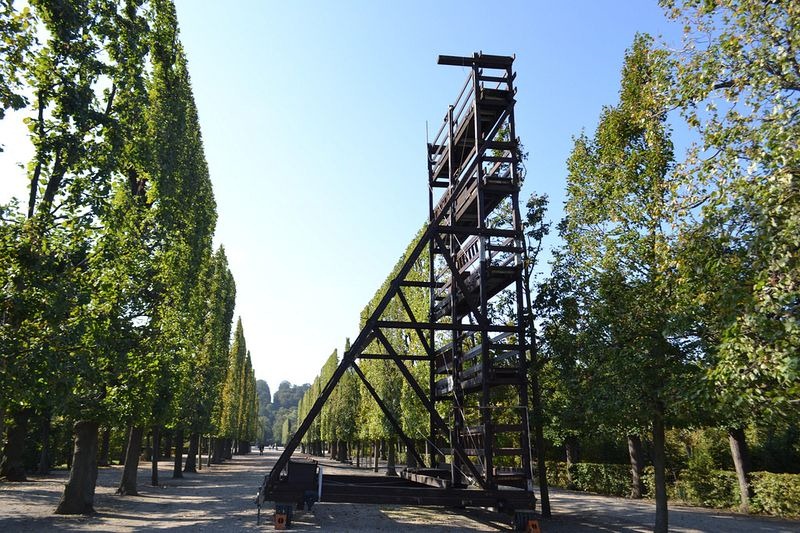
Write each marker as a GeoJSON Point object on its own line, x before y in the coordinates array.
{"type": "Point", "coordinates": [211, 364]}
{"type": "Point", "coordinates": [233, 390]}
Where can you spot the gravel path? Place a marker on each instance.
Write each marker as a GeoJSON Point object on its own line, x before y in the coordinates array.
{"type": "Point", "coordinates": [220, 498]}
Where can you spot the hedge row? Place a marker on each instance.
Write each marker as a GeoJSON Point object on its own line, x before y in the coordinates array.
{"type": "Point", "coordinates": [776, 494]}
{"type": "Point", "coordinates": [773, 494]}
{"type": "Point", "coordinates": [591, 477]}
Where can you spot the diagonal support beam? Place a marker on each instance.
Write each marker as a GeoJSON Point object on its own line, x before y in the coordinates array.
{"type": "Point", "coordinates": [409, 443]}
{"type": "Point", "coordinates": [272, 479]}
{"type": "Point", "coordinates": [413, 319]}
{"type": "Point", "coordinates": [457, 448]}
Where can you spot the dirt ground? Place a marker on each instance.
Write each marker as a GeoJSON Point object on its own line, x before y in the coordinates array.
{"type": "Point", "coordinates": [220, 498]}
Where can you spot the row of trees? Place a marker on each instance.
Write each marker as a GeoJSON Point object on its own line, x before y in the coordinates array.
{"type": "Point", "coordinates": [674, 298]}
{"type": "Point", "coordinates": [351, 419]}
{"type": "Point", "coordinates": [116, 312]}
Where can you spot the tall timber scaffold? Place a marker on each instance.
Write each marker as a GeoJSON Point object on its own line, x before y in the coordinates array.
{"type": "Point", "coordinates": [473, 338]}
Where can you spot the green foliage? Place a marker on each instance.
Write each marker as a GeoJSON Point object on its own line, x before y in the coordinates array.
{"type": "Point", "coordinates": [286, 429]}
{"type": "Point", "coordinates": [738, 87]}
{"type": "Point", "coordinates": [239, 416]}
{"type": "Point", "coordinates": [233, 381]}
{"type": "Point", "coordinates": [605, 479]}
{"type": "Point", "coordinates": [344, 401]}
{"type": "Point", "coordinates": [557, 474]}
{"type": "Point", "coordinates": [617, 249]}
{"type": "Point", "coordinates": [350, 412]}
{"type": "Point", "coordinates": [591, 477]}
{"type": "Point", "coordinates": [703, 255]}
{"type": "Point", "coordinates": [775, 447]}
{"type": "Point", "coordinates": [384, 375]}
{"type": "Point", "coordinates": [283, 407]}
{"type": "Point", "coordinates": [16, 29]}
{"type": "Point", "coordinates": [64, 305]}
{"type": "Point", "coordinates": [210, 368]}
{"type": "Point", "coordinates": [287, 396]}
{"type": "Point", "coordinates": [313, 436]}
{"type": "Point", "coordinates": [709, 488]}
{"type": "Point", "coordinates": [776, 494]}
{"type": "Point", "coordinates": [264, 396]}
{"type": "Point", "coordinates": [328, 414]}
{"type": "Point", "coordinates": [183, 214]}
{"type": "Point", "coordinates": [114, 309]}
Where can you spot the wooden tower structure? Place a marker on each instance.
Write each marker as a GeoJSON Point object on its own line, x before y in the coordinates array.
{"type": "Point", "coordinates": [473, 337]}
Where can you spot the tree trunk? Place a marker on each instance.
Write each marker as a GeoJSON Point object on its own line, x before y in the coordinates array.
{"type": "Point", "coordinates": [68, 450]}
{"type": "Point", "coordinates": [659, 465]}
{"type": "Point", "coordinates": [12, 467]}
{"type": "Point", "coordinates": [167, 445]}
{"type": "Point", "coordinates": [572, 450]}
{"type": "Point", "coordinates": [123, 452]}
{"type": "Point", "coordinates": [411, 462]}
{"type": "Point", "coordinates": [78, 496]}
{"type": "Point", "coordinates": [127, 485]}
{"type": "Point", "coordinates": [148, 448]}
{"type": "Point", "coordinates": [105, 444]}
{"type": "Point", "coordinates": [217, 451]}
{"type": "Point", "coordinates": [538, 429]}
{"type": "Point", "coordinates": [637, 465]}
{"type": "Point", "coordinates": [154, 460]}
{"type": "Point", "coordinates": [375, 453]}
{"type": "Point", "coordinates": [391, 444]}
{"type": "Point", "coordinates": [176, 471]}
{"type": "Point", "coordinates": [228, 449]}
{"type": "Point", "coordinates": [44, 455]}
{"type": "Point", "coordinates": [741, 461]}
{"type": "Point", "coordinates": [213, 452]}
{"type": "Point", "coordinates": [191, 455]}
{"type": "Point", "coordinates": [358, 454]}
{"type": "Point", "coordinates": [536, 391]}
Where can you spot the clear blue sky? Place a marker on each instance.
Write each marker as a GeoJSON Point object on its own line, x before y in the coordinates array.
{"type": "Point", "coordinates": [313, 117]}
